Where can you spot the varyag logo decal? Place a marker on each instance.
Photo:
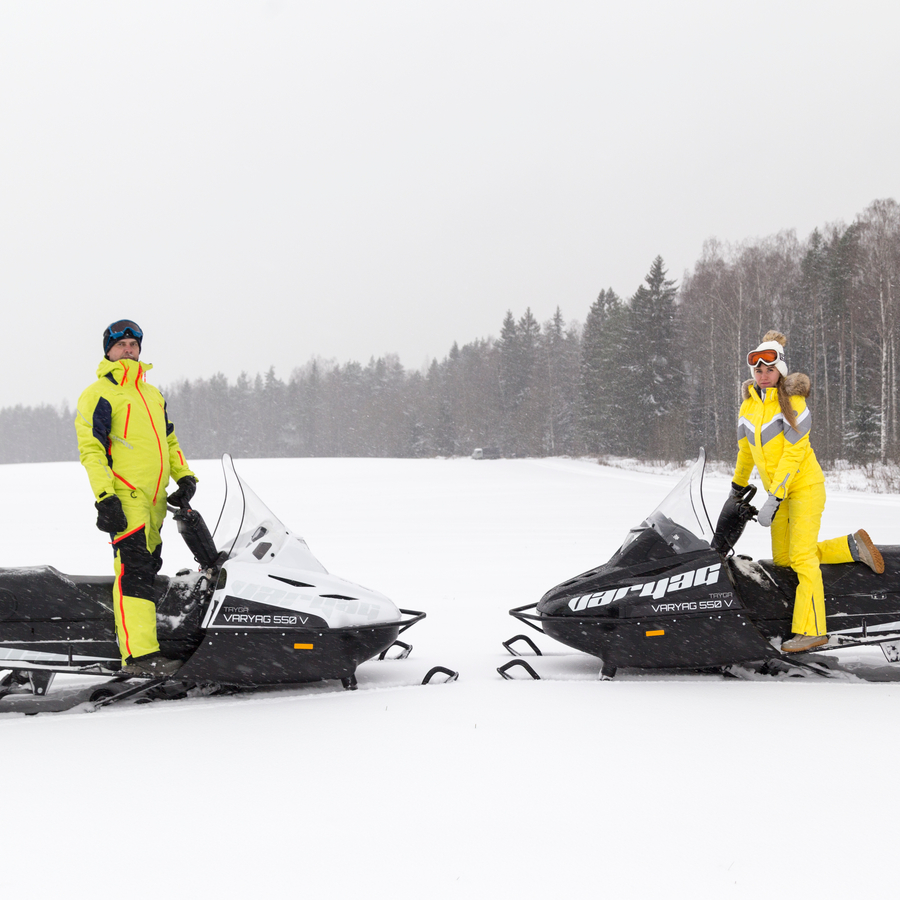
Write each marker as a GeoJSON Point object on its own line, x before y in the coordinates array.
{"type": "Point", "coordinates": [659, 589]}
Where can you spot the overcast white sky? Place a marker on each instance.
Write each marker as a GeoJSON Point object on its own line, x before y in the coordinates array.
{"type": "Point", "coordinates": [260, 181]}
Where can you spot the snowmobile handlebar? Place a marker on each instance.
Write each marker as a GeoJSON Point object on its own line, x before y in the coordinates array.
{"type": "Point", "coordinates": [196, 535]}
{"type": "Point", "coordinates": [737, 511]}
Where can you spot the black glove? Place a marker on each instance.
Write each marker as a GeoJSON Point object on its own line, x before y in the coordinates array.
{"type": "Point", "coordinates": [187, 485]}
{"type": "Point", "coordinates": [737, 490]}
{"type": "Point", "coordinates": [110, 515]}
{"type": "Point", "coordinates": [768, 510]}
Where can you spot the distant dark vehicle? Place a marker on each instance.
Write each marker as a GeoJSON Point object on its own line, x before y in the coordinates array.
{"type": "Point", "coordinates": [485, 453]}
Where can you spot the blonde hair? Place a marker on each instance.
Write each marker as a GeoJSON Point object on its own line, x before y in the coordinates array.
{"type": "Point", "coordinates": [784, 401]}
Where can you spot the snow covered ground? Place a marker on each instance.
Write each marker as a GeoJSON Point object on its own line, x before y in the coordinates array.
{"type": "Point", "coordinates": [568, 787]}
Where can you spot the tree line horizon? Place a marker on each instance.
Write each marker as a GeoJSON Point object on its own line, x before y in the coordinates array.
{"type": "Point", "coordinates": [653, 376]}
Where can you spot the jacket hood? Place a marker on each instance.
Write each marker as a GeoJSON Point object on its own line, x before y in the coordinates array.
{"type": "Point", "coordinates": [795, 385]}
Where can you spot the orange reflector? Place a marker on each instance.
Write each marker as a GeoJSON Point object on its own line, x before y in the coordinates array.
{"type": "Point", "coordinates": [655, 633]}
{"type": "Point", "coordinates": [303, 646]}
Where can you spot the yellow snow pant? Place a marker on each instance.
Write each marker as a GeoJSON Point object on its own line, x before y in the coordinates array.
{"type": "Point", "coordinates": [795, 543]}
{"type": "Point", "coordinates": [138, 557]}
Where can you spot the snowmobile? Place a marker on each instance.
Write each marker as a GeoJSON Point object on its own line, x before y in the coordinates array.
{"type": "Point", "coordinates": [261, 611]}
{"type": "Point", "coordinates": [676, 596]}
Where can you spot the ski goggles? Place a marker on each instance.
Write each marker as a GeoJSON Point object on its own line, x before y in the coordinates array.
{"type": "Point", "coordinates": [119, 329]}
{"type": "Point", "coordinates": [768, 356]}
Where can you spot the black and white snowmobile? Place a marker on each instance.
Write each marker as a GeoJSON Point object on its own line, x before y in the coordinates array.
{"type": "Point", "coordinates": [261, 611]}
{"type": "Point", "coordinates": [674, 596]}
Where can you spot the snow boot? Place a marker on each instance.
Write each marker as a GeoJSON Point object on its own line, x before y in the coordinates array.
{"type": "Point", "coordinates": [804, 642]}
{"type": "Point", "coordinates": [153, 665]}
{"type": "Point", "coordinates": [867, 552]}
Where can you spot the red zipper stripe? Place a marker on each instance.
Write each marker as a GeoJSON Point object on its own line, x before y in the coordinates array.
{"type": "Point", "coordinates": [122, 607]}
{"type": "Point", "coordinates": [127, 484]}
{"type": "Point", "coordinates": [127, 534]}
{"type": "Point", "coordinates": [127, 420]}
{"type": "Point", "coordinates": [137, 384]}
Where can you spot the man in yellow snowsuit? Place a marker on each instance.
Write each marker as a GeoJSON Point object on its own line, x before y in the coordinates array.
{"type": "Point", "coordinates": [773, 436]}
{"type": "Point", "coordinates": [130, 451]}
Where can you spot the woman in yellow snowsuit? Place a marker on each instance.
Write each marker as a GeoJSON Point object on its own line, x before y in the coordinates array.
{"type": "Point", "coordinates": [773, 436]}
{"type": "Point", "coordinates": [130, 451]}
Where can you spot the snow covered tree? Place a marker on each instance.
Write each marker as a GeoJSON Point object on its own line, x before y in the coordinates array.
{"type": "Point", "coordinates": [561, 355]}
{"type": "Point", "coordinates": [603, 406]}
{"type": "Point", "coordinates": [880, 272]}
{"type": "Point", "coordinates": [650, 367]}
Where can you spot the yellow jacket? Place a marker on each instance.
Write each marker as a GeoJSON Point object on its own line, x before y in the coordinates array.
{"type": "Point", "coordinates": [782, 455]}
{"type": "Point", "coordinates": [125, 439]}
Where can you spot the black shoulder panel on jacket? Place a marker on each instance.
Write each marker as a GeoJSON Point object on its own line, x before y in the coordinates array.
{"type": "Point", "coordinates": [102, 425]}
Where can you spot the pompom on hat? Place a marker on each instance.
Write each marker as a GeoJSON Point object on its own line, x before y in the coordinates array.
{"type": "Point", "coordinates": [770, 352]}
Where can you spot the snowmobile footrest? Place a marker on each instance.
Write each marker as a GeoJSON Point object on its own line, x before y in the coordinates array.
{"type": "Point", "coordinates": [142, 687]}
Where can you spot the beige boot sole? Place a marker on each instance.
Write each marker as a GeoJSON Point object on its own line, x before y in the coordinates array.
{"type": "Point", "coordinates": [868, 552]}
{"type": "Point", "coordinates": [801, 642]}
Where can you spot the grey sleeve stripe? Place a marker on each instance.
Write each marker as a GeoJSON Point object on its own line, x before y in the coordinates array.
{"type": "Point", "coordinates": [804, 424]}
{"type": "Point", "coordinates": [745, 429]}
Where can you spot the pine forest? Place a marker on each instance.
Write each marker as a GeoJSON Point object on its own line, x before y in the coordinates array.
{"type": "Point", "coordinates": [653, 376]}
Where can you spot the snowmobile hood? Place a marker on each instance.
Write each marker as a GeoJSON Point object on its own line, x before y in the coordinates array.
{"type": "Point", "coordinates": [673, 541]}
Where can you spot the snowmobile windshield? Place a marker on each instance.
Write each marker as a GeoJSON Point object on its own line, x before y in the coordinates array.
{"type": "Point", "coordinates": [246, 524]}
{"type": "Point", "coordinates": [680, 524]}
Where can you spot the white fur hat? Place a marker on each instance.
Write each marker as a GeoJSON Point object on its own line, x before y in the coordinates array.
{"type": "Point", "coordinates": [778, 359]}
